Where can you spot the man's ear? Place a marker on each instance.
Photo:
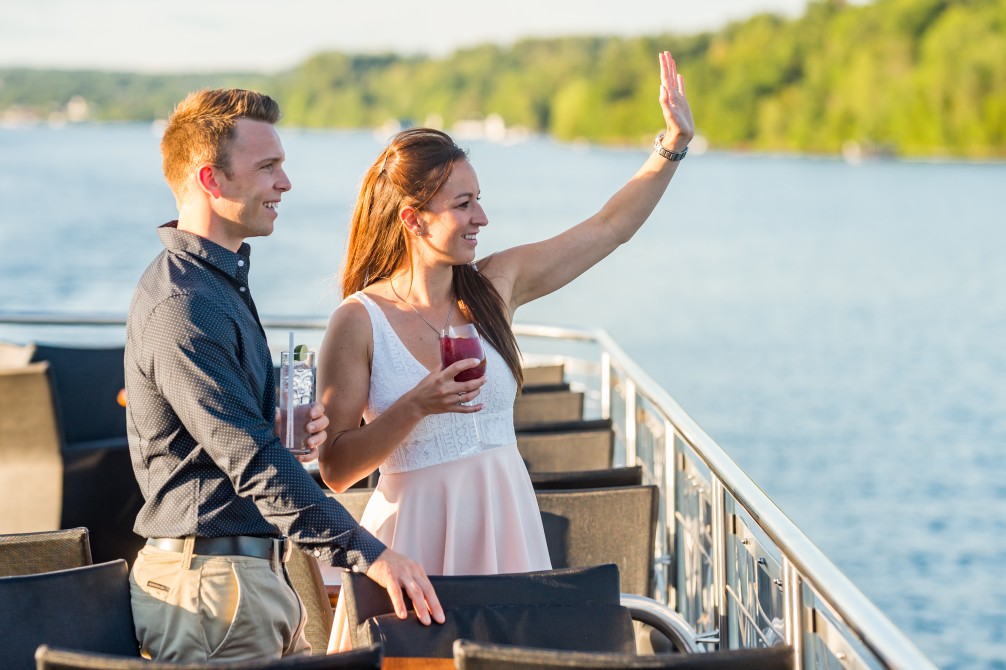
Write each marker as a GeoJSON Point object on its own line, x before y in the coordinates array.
{"type": "Point", "coordinates": [410, 219]}
{"type": "Point", "coordinates": [207, 179]}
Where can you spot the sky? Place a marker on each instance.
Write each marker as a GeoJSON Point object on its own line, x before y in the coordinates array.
{"type": "Point", "coordinates": [274, 35]}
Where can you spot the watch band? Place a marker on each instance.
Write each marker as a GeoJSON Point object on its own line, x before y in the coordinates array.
{"type": "Point", "coordinates": [669, 155]}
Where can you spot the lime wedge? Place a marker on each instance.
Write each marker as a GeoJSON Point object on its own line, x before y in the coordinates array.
{"type": "Point", "coordinates": [300, 352]}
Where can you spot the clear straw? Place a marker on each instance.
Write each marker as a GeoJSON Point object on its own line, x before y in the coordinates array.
{"type": "Point", "coordinates": [289, 395]}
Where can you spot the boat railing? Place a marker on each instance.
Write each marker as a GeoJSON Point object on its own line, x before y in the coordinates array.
{"type": "Point", "coordinates": [727, 559]}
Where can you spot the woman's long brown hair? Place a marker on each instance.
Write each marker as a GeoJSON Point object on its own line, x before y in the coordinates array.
{"type": "Point", "coordinates": [414, 167]}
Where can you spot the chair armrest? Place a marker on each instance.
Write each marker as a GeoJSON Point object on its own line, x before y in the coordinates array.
{"type": "Point", "coordinates": [663, 619]}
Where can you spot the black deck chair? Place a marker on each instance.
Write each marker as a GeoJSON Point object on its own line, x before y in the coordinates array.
{"type": "Point", "coordinates": [48, 658]}
{"type": "Point", "coordinates": [46, 551]}
{"type": "Point", "coordinates": [86, 608]}
{"type": "Point", "coordinates": [603, 525]}
{"type": "Point", "coordinates": [547, 404]}
{"type": "Point", "coordinates": [354, 500]}
{"type": "Point", "coordinates": [567, 446]}
{"type": "Point", "coordinates": [577, 608]}
{"type": "Point", "coordinates": [99, 488]}
{"type": "Point", "coordinates": [307, 580]}
{"type": "Point", "coordinates": [86, 384]}
{"type": "Point", "coordinates": [587, 479]}
{"type": "Point", "coordinates": [469, 655]}
{"type": "Point", "coordinates": [543, 375]}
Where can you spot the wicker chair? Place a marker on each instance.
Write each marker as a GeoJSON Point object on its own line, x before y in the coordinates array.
{"type": "Point", "coordinates": [31, 465]}
{"type": "Point", "coordinates": [48, 658]}
{"type": "Point", "coordinates": [469, 655]}
{"type": "Point", "coordinates": [46, 551]}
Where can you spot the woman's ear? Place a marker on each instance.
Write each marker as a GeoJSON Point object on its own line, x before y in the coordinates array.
{"type": "Point", "coordinates": [409, 216]}
{"type": "Point", "coordinates": [207, 179]}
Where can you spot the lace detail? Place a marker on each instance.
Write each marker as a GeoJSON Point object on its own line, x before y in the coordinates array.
{"type": "Point", "coordinates": [437, 438]}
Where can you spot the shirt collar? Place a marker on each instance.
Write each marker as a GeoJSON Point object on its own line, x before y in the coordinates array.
{"type": "Point", "coordinates": [234, 265]}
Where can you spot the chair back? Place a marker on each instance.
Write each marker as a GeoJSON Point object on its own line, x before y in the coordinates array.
{"type": "Point", "coordinates": [544, 375]}
{"type": "Point", "coordinates": [47, 551]}
{"type": "Point", "coordinates": [587, 479]}
{"type": "Point", "coordinates": [370, 614]}
{"type": "Point", "coordinates": [593, 628]}
{"type": "Point", "coordinates": [608, 525]}
{"type": "Point", "coordinates": [471, 655]}
{"type": "Point", "coordinates": [86, 385]}
{"type": "Point", "coordinates": [546, 404]}
{"type": "Point", "coordinates": [86, 608]}
{"type": "Point", "coordinates": [50, 658]}
{"type": "Point", "coordinates": [31, 466]}
{"type": "Point", "coordinates": [354, 500]}
{"type": "Point", "coordinates": [15, 355]}
{"type": "Point", "coordinates": [567, 445]}
{"type": "Point", "coordinates": [306, 578]}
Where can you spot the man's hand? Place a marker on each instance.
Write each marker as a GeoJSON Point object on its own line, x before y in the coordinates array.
{"type": "Point", "coordinates": [314, 423]}
{"type": "Point", "coordinates": [396, 573]}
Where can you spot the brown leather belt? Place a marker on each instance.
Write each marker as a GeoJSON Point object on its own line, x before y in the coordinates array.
{"type": "Point", "coordinates": [230, 545]}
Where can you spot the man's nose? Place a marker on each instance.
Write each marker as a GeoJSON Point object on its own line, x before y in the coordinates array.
{"type": "Point", "coordinates": [283, 181]}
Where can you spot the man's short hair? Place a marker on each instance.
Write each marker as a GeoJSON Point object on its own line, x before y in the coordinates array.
{"type": "Point", "coordinates": [201, 128]}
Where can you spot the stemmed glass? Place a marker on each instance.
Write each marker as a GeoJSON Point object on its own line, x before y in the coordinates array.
{"type": "Point", "coordinates": [458, 343]}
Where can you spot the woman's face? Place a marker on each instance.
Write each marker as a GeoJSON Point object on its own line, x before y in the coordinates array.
{"type": "Point", "coordinates": [453, 218]}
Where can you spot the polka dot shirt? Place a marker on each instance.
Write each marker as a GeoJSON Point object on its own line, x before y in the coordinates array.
{"type": "Point", "coordinates": [201, 413]}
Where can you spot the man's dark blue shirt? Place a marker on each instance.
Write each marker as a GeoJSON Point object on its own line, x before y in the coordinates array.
{"type": "Point", "coordinates": [201, 412]}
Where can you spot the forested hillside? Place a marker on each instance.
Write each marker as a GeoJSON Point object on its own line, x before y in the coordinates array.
{"type": "Point", "coordinates": [913, 77]}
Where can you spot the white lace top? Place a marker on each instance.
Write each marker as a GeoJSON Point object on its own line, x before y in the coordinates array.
{"type": "Point", "coordinates": [437, 438]}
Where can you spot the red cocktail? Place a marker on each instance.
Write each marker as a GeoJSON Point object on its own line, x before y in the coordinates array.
{"type": "Point", "coordinates": [461, 342]}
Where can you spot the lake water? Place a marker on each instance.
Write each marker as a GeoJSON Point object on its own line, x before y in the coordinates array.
{"type": "Point", "coordinates": [838, 329]}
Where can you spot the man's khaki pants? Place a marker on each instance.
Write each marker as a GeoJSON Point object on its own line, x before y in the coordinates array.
{"type": "Point", "coordinates": [189, 608]}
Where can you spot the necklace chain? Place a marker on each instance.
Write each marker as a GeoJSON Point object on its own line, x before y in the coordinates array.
{"type": "Point", "coordinates": [450, 311]}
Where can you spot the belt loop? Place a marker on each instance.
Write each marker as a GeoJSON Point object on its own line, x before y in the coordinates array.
{"type": "Point", "coordinates": [277, 556]}
{"type": "Point", "coordinates": [187, 549]}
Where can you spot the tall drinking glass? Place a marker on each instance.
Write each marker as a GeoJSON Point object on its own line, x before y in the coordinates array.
{"type": "Point", "coordinates": [458, 343]}
{"type": "Point", "coordinates": [296, 395]}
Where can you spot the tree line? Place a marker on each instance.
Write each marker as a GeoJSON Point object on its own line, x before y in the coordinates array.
{"type": "Point", "coordinates": [910, 77]}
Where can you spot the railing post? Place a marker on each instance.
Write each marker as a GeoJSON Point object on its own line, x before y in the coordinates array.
{"type": "Point", "coordinates": [793, 611]}
{"type": "Point", "coordinates": [630, 422]}
{"type": "Point", "coordinates": [605, 385]}
{"type": "Point", "coordinates": [669, 487]}
{"type": "Point", "coordinates": [719, 557]}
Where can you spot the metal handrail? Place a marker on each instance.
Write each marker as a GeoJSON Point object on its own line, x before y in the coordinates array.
{"type": "Point", "coordinates": [801, 556]}
{"type": "Point", "coordinates": [862, 617]}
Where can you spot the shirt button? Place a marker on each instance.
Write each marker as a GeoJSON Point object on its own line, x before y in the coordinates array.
{"type": "Point", "coordinates": [241, 263]}
{"type": "Point", "coordinates": [242, 289]}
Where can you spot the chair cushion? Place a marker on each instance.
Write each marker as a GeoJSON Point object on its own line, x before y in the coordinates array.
{"type": "Point", "coordinates": [590, 628]}
{"type": "Point", "coordinates": [48, 658]}
{"type": "Point", "coordinates": [85, 608]}
{"type": "Point", "coordinates": [471, 655]}
{"type": "Point", "coordinates": [594, 585]}
{"type": "Point", "coordinates": [587, 479]}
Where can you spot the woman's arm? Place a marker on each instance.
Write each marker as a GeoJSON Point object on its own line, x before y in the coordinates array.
{"type": "Point", "coordinates": [351, 451]}
{"type": "Point", "coordinates": [530, 271]}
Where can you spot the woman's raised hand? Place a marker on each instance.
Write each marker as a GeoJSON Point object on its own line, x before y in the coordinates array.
{"type": "Point", "coordinates": [674, 104]}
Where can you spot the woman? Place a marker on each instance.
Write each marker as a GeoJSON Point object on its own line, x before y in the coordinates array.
{"type": "Point", "coordinates": [453, 496]}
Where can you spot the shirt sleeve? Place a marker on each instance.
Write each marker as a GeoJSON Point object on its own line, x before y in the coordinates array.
{"type": "Point", "coordinates": [195, 353]}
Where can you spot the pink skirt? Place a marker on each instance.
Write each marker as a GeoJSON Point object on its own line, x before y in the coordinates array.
{"type": "Point", "coordinates": [473, 516]}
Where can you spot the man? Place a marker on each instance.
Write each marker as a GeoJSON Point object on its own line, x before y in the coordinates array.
{"type": "Point", "coordinates": [220, 490]}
